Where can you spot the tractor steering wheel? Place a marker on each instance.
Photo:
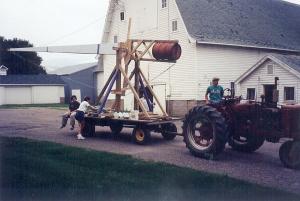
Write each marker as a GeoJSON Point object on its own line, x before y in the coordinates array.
{"type": "Point", "coordinates": [227, 94]}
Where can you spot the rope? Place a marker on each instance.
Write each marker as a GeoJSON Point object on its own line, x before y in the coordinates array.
{"type": "Point", "coordinates": [163, 72]}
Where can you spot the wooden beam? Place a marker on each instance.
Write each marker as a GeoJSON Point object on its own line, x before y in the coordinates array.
{"type": "Point", "coordinates": [106, 85]}
{"type": "Point", "coordinates": [136, 96]}
{"type": "Point", "coordinates": [129, 29]}
{"type": "Point", "coordinates": [117, 105]}
{"type": "Point", "coordinates": [154, 60]}
{"type": "Point", "coordinates": [153, 94]}
{"type": "Point", "coordinates": [149, 53]}
{"type": "Point", "coordinates": [136, 46]}
{"type": "Point", "coordinates": [157, 41]}
{"type": "Point", "coordinates": [146, 50]}
{"type": "Point", "coordinates": [136, 82]}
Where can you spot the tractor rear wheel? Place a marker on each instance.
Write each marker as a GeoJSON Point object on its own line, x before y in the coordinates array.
{"type": "Point", "coordinates": [205, 132]}
{"type": "Point", "coordinates": [289, 154]}
{"type": "Point", "coordinates": [246, 144]}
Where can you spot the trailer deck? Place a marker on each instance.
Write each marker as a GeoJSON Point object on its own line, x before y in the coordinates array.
{"type": "Point", "coordinates": [142, 129]}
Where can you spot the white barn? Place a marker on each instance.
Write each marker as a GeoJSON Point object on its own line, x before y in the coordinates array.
{"type": "Point", "coordinates": [218, 38]}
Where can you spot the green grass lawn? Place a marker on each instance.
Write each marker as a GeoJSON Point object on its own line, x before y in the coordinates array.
{"type": "Point", "coordinates": [53, 106]}
{"type": "Point", "coordinates": [32, 170]}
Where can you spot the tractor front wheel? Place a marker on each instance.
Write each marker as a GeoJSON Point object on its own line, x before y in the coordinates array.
{"type": "Point", "coordinates": [289, 154]}
{"type": "Point", "coordinates": [205, 132]}
{"type": "Point", "coordinates": [116, 128]}
{"type": "Point", "coordinates": [246, 144]}
{"type": "Point", "coordinates": [169, 131]}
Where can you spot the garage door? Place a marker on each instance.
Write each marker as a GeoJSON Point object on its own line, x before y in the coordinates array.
{"type": "Point", "coordinates": [18, 95]}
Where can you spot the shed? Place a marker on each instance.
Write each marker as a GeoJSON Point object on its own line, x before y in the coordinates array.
{"type": "Point", "coordinates": [80, 80]}
{"type": "Point", "coordinates": [260, 79]}
{"type": "Point", "coordinates": [31, 89]}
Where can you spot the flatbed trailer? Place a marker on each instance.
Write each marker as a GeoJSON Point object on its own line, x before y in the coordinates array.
{"type": "Point", "coordinates": [142, 129]}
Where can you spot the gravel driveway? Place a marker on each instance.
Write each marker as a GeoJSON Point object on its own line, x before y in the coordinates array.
{"type": "Point", "coordinates": [262, 167]}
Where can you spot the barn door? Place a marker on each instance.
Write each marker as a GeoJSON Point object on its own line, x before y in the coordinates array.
{"type": "Point", "coordinates": [160, 91]}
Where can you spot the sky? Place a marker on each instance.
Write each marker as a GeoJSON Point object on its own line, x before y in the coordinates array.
{"type": "Point", "coordinates": [56, 22]}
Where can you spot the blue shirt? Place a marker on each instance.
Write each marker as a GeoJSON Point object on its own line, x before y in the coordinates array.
{"type": "Point", "coordinates": [215, 93]}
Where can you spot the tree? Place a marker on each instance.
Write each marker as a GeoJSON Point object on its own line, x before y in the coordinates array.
{"type": "Point", "coordinates": [19, 62]}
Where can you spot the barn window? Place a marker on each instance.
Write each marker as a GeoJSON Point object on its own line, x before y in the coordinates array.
{"type": "Point", "coordinates": [289, 93]}
{"type": "Point", "coordinates": [115, 39]}
{"type": "Point", "coordinates": [270, 69]}
{"type": "Point", "coordinates": [122, 16]}
{"type": "Point", "coordinates": [174, 25]}
{"type": "Point", "coordinates": [251, 93]}
{"type": "Point", "coordinates": [163, 3]}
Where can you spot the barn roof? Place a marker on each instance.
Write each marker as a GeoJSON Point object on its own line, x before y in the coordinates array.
{"type": "Point", "coordinates": [31, 80]}
{"type": "Point", "coordinates": [270, 24]}
{"type": "Point", "coordinates": [3, 67]}
{"type": "Point", "coordinates": [292, 61]}
{"type": "Point", "coordinates": [73, 69]}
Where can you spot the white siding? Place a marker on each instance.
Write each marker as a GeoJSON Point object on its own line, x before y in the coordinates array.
{"type": "Point", "coordinates": [31, 94]}
{"type": "Point", "coordinates": [2, 95]}
{"type": "Point", "coordinates": [227, 63]}
{"type": "Point", "coordinates": [47, 94]}
{"type": "Point", "coordinates": [18, 95]}
{"type": "Point", "coordinates": [100, 82]}
{"type": "Point", "coordinates": [177, 85]}
{"type": "Point", "coordinates": [260, 77]}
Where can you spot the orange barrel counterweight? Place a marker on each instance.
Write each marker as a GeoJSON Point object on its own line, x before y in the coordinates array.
{"type": "Point", "coordinates": [166, 51]}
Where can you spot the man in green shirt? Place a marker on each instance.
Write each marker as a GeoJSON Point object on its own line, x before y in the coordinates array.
{"type": "Point", "coordinates": [215, 92]}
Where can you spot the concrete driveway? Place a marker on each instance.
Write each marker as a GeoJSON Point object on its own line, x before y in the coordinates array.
{"type": "Point", "coordinates": [262, 167]}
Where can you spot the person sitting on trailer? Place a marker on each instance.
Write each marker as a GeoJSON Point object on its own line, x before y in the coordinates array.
{"type": "Point", "coordinates": [73, 106]}
{"type": "Point", "coordinates": [84, 107]}
{"type": "Point", "coordinates": [215, 92]}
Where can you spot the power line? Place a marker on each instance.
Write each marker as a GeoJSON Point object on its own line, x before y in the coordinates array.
{"type": "Point", "coordinates": [28, 61]}
{"type": "Point", "coordinates": [77, 30]}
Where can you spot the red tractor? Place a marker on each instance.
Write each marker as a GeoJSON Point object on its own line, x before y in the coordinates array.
{"type": "Point", "coordinates": [245, 126]}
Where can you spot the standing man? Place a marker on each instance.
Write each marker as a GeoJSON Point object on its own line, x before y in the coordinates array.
{"type": "Point", "coordinates": [81, 111]}
{"type": "Point", "coordinates": [73, 106]}
{"type": "Point", "coordinates": [215, 92]}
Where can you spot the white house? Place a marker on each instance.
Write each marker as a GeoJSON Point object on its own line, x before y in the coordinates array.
{"type": "Point", "coordinates": [260, 79]}
{"type": "Point", "coordinates": [31, 89]}
{"type": "Point", "coordinates": [218, 38]}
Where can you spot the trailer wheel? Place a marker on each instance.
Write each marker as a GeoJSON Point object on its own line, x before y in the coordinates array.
{"type": "Point", "coordinates": [116, 128]}
{"type": "Point", "coordinates": [89, 129]}
{"type": "Point", "coordinates": [169, 131]}
{"type": "Point", "coordinates": [141, 136]}
{"type": "Point", "coordinates": [246, 144]}
{"type": "Point", "coordinates": [289, 154]}
{"type": "Point", "coordinates": [205, 132]}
